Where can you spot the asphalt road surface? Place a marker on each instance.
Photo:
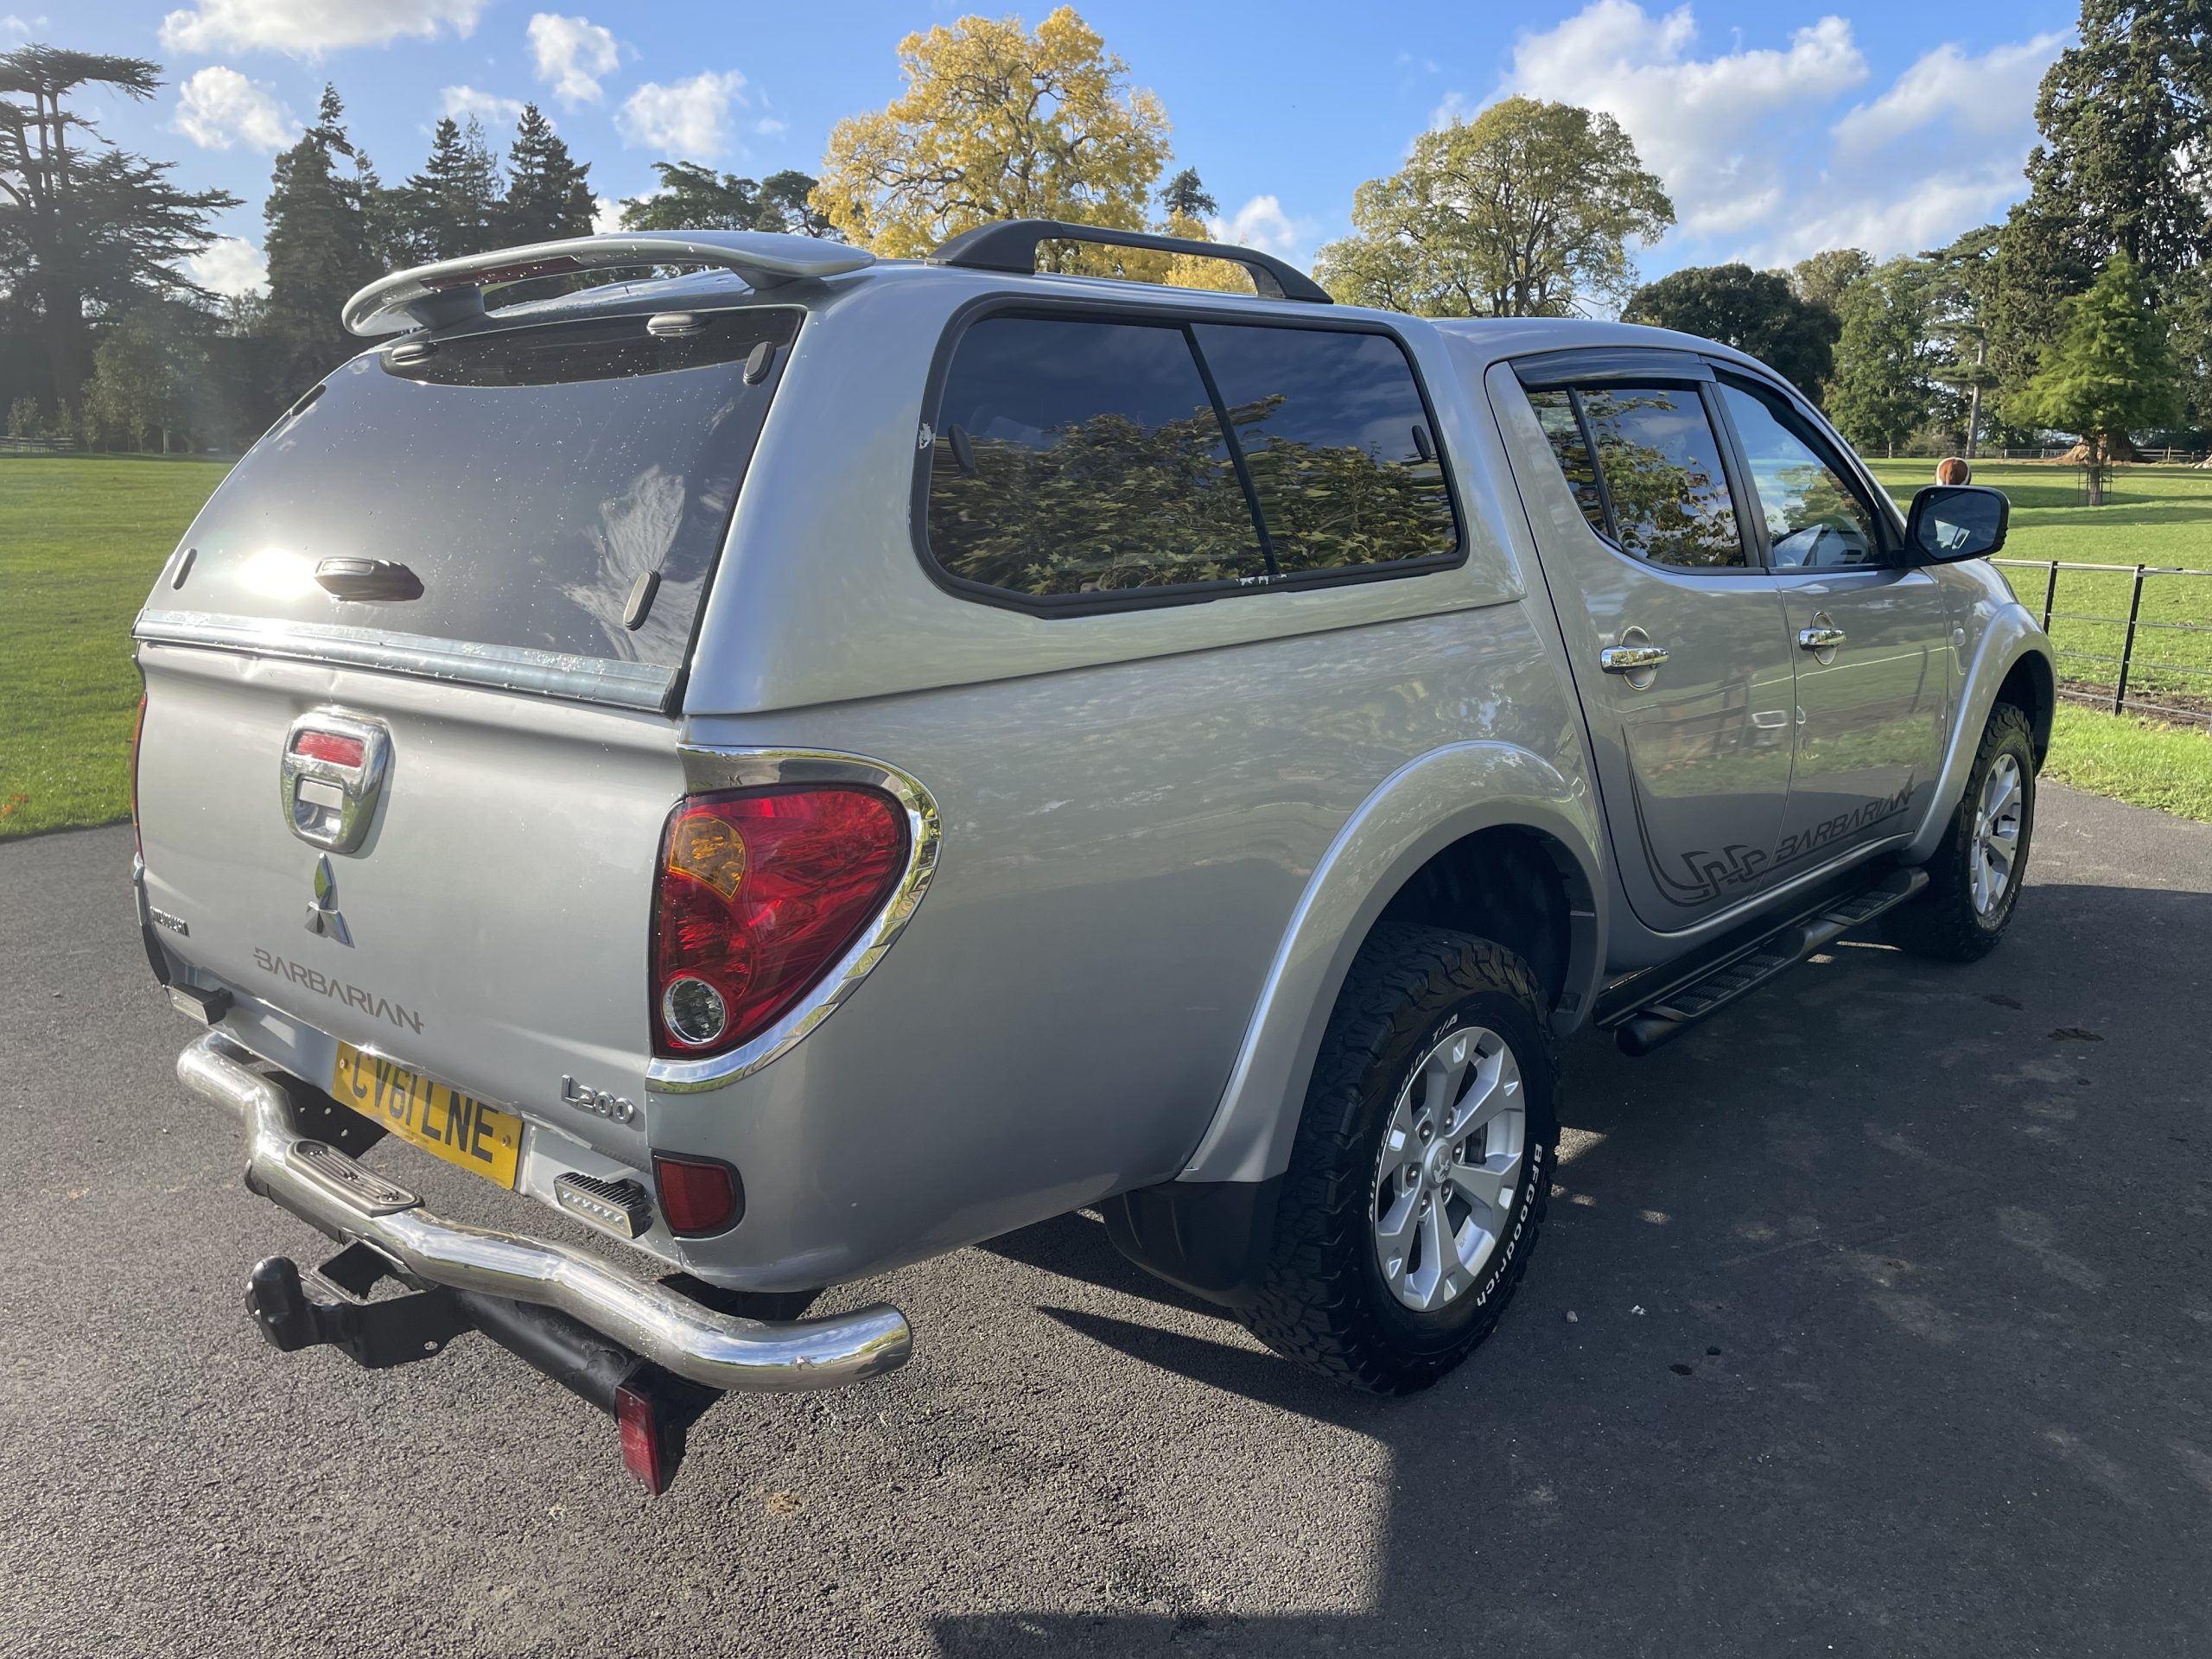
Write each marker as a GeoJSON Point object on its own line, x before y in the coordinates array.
{"type": "Point", "coordinates": [1891, 1334]}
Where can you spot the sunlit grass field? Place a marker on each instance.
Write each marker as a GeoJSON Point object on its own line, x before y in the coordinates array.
{"type": "Point", "coordinates": [2159, 516]}
{"type": "Point", "coordinates": [81, 539]}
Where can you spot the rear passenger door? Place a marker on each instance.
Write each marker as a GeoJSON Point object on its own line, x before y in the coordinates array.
{"type": "Point", "coordinates": [1646, 550]}
{"type": "Point", "coordinates": [1869, 632]}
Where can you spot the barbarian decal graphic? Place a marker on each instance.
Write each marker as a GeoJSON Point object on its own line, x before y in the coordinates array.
{"type": "Point", "coordinates": [1737, 866]}
{"type": "Point", "coordinates": [321, 984]}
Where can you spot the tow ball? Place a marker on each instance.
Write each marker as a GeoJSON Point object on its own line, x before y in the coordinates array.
{"type": "Point", "coordinates": [333, 1306]}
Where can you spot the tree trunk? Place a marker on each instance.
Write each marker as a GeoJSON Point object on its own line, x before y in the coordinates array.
{"type": "Point", "coordinates": [1973, 419]}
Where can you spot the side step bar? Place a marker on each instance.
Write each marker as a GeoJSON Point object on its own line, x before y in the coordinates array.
{"type": "Point", "coordinates": [1668, 1016]}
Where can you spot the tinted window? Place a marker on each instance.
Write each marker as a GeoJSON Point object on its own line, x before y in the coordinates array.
{"type": "Point", "coordinates": [1813, 519]}
{"type": "Point", "coordinates": [1663, 476]}
{"type": "Point", "coordinates": [1563, 426]}
{"type": "Point", "coordinates": [1077, 457]}
{"type": "Point", "coordinates": [527, 477]}
{"type": "Point", "coordinates": [1337, 443]}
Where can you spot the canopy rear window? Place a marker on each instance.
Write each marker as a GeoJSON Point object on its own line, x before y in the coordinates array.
{"type": "Point", "coordinates": [548, 493]}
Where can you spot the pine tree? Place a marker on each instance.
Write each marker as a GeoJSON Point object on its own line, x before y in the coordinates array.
{"type": "Point", "coordinates": [2126, 115]}
{"type": "Point", "coordinates": [1184, 197]}
{"type": "Point", "coordinates": [2109, 374]}
{"type": "Point", "coordinates": [696, 198]}
{"type": "Point", "coordinates": [84, 227]}
{"type": "Point", "coordinates": [549, 192]}
{"type": "Point", "coordinates": [454, 204]}
{"type": "Point", "coordinates": [318, 248]}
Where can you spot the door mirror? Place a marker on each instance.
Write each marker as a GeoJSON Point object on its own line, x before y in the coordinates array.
{"type": "Point", "coordinates": [1952, 521]}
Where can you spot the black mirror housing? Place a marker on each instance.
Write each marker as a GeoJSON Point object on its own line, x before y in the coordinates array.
{"type": "Point", "coordinates": [1951, 522]}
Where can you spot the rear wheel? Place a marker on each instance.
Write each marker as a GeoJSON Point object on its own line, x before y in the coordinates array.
{"type": "Point", "coordinates": [1418, 1177]}
{"type": "Point", "coordinates": [1973, 879]}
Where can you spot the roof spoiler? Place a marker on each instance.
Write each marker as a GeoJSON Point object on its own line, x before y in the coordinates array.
{"type": "Point", "coordinates": [432, 297]}
{"type": "Point", "coordinates": [1012, 245]}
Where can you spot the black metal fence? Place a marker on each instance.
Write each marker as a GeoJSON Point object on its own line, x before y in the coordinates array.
{"type": "Point", "coordinates": [2113, 661]}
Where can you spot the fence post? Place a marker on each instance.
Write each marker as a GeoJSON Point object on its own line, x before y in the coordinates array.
{"type": "Point", "coordinates": [2050, 595]}
{"type": "Point", "coordinates": [2127, 646]}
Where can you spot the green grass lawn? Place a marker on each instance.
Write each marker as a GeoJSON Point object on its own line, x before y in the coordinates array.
{"type": "Point", "coordinates": [82, 537]}
{"type": "Point", "coordinates": [2153, 515]}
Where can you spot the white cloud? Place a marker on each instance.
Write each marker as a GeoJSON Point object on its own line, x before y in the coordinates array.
{"type": "Point", "coordinates": [307, 29]}
{"type": "Point", "coordinates": [1751, 145]}
{"type": "Point", "coordinates": [573, 55]}
{"type": "Point", "coordinates": [769, 127]}
{"type": "Point", "coordinates": [217, 107]}
{"type": "Point", "coordinates": [1261, 223]}
{"type": "Point", "coordinates": [21, 28]}
{"type": "Point", "coordinates": [463, 102]}
{"type": "Point", "coordinates": [1701, 124]}
{"type": "Point", "coordinates": [606, 215]}
{"type": "Point", "coordinates": [688, 120]}
{"type": "Point", "coordinates": [1984, 96]}
{"type": "Point", "coordinates": [233, 265]}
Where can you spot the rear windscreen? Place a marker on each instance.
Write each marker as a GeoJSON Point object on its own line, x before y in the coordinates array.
{"type": "Point", "coordinates": [562, 488]}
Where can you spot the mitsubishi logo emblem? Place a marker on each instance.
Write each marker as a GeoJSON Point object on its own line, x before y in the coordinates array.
{"type": "Point", "coordinates": [323, 916]}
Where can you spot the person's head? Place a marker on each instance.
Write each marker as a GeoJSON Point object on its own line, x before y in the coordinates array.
{"type": "Point", "coordinates": [1952, 470]}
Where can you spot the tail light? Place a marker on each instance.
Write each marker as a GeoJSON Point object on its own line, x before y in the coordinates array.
{"type": "Point", "coordinates": [761, 893]}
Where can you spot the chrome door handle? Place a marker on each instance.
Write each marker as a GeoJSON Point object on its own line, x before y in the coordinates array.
{"type": "Point", "coordinates": [1627, 659]}
{"type": "Point", "coordinates": [1825, 639]}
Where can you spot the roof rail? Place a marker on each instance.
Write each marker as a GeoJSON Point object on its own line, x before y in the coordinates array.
{"type": "Point", "coordinates": [452, 289]}
{"type": "Point", "coordinates": [1012, 245]}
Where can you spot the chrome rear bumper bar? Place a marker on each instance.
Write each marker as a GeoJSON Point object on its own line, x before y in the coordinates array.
{"type": "Point", "coordinates": [327, 1189]}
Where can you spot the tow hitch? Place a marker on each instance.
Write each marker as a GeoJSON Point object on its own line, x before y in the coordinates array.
{"type": "Point", "coordinates": [334, 1306]}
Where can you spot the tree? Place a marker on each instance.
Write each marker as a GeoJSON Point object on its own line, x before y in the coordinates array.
{"type": "Point", "coordinates": [87, 229]}
{"type": "Point", "coordinates": [149, 375]}
{"type": "Point", "coordinates": [997, 122]}
{"type": "Point", "coordinates": [1822, 279]}
{"type": "Point", "coordinates": [695, 198]}
{"type": "Point", "coordinates": [2108, 374]}
{"type": "Point", "coordinates": [1524, 212]}
{"type": "Point", "coordinates": [549, 191]}
{"type": "Point", "coordinates": [1184, 197]}
{"type": "Point", "coordinates": [318, 248]}
{"type": "Point", "coordinates": [1964, 280]}
{"type": "Point", "coordinates": [454, 204]}
{"type": "Point", "coordinates": [1755, 311]}
{"type": "Point", "coordinates": [2126, 115]}
{"type": "Point", "coordinates": [1881, 391]}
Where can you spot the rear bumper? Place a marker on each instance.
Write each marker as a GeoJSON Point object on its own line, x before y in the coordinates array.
{"type": "Point", "coordinates": [330, 1191]}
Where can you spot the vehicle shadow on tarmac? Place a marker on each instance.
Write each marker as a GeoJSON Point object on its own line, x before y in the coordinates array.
{"type": "Point", "coordinates": [1870, 1318]}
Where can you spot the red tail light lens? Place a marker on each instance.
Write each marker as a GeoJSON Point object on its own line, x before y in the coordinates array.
{"type": "Point", "coordinates": [761, 893]}
{"type": "Point", "coordinates": [697, 1195]}
{"type": "Point", "coordinates": [329, 746]}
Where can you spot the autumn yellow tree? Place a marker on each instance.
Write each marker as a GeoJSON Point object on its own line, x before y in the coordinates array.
{"type": "Point", "coordinates": [997, 122]}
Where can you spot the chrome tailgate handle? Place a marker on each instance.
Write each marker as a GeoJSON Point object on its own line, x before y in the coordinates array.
{"type": "Point", "coordinates": [1627, 659]}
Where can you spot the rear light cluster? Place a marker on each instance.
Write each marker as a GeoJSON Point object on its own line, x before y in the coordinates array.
{"type": "Point", "coordinates": [761, 893]}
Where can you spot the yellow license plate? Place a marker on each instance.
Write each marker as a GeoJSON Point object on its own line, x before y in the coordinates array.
{"type": "Point", "coordinates": [458, 1128]}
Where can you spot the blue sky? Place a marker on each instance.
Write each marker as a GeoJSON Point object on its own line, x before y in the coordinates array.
{"type": "Point", "coordinates": [1779, 130]}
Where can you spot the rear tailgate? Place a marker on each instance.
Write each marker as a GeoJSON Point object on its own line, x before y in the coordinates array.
{"type": "Point", "coordinates": [491, 929]}
{"type": "Point", "coordinates": [486, 555]}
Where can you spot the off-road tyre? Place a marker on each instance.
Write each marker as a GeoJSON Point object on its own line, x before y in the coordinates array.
{"type": "Point", "coordinates": [1942, 924]}
{"type": "Point", "coordinates": [1322, 1301]}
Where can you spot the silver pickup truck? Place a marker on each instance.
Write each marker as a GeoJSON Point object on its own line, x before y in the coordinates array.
{"type": "Point", "coordinates": [804, 763]}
